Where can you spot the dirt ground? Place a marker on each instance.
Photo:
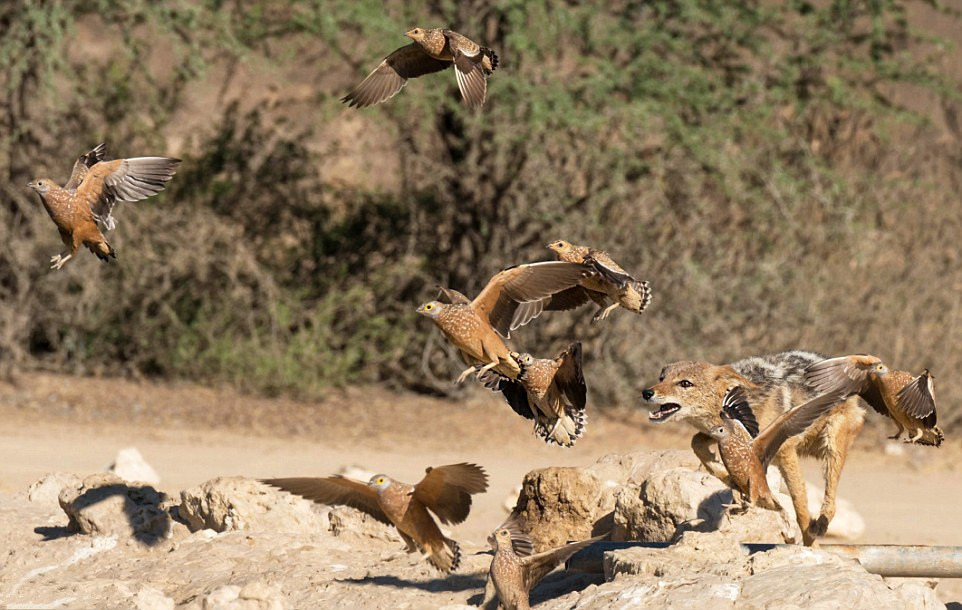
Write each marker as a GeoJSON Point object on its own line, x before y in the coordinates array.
{"type": "Point", "coordinates": [190, 434]}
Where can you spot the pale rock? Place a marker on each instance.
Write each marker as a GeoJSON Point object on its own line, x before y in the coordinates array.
{"type": "Point", "coordinates": [919, 596]}
{"type": "Point", "coordinates": [149, 598]}
{"type": "Point", "coordinates": [709, 570]}
{"type": "Point", "coordinates": [895, 449]}
{"type": "Point", "coordinates": [237, 503]}
{"type": "Point", "coordinates": [252, 596]}
{"type": "Point", "coordinates": [131, 466]}
{"type": "Point", "coordinates": [358, 473]}
{"type": "Point", "coordinates": [47, 490]}
{"type": "Point", "coordinates": [677, 500]}
{"type": "Point", "coordinates": [105, 504]}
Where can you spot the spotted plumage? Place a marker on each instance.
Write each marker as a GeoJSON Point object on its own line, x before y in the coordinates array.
{"type": "Point", "coordinates": [446, 491]}
{"type": "Point", "coordinates": [82, 209]}
{"type": "Point", "coordinates": [909, 400]}
{"type": "Point", "coordinates": [510, 299]}
{"type": "Point", "coordinates": [551, 391]}
{"type": "Point", "coordinates": [747, 458]}
{"type": "Point", "coordinates": [514, 570]}
{"type": "Point", "coordinates": [609, 286]}
{"type": "Point", "coordinates": [433, 50]}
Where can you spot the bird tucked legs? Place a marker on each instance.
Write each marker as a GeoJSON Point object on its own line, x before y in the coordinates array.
{"type": "Point", "coordinates": [603, 312]}
{"type": "Point", "coordinates": [59, 260]}
{"type": "Point", "coordinates": [471, 369]}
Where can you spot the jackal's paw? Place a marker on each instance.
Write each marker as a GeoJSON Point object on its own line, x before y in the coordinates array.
{"type": "Point", "coordinates": [818, 527]}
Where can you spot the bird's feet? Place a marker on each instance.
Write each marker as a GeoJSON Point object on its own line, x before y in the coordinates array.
{"type": "Point", "coordinates": [737, 509]}
{"type": "Point", "coordinates": [464, 375]}
{"type": "Point", "coordinates": [59, 260]}
{"type": "Point", "coordinates": [603, 313]}
{"type": "Point", "coordinates": [896, 436]}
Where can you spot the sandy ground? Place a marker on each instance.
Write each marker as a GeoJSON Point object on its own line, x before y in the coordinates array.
{"type": "Point", "coordinates": [191, 434]}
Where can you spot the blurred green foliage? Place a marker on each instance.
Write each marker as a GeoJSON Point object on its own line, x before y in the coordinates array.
{"type": "Point", "coordinates": [757, 162]}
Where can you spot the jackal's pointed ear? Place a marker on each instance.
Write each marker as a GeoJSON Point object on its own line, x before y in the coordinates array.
{"type": "Point", "coordinates": [730, 377]}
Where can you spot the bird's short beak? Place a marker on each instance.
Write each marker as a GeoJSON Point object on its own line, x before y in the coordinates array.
{"type": "Point", "coordinates": [31, 185]}
{"type": "Point", "coordinates": [421, 309]}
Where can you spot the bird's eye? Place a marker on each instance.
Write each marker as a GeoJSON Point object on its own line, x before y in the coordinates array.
{"type": "Point", "coordinates": [380, 480]}
{"type": "Point", "coordinates": [39, 182]}
{"type": "Point", "coordinates": [685, 383]}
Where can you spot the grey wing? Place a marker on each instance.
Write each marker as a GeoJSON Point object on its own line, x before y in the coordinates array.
{"type": "Point", "coordinates": [83, 164]}
{"type": "Point", "coordinates": [336, 490]}
{"type": "Point", "coordinates": [603, 265]}
{"type": "Point", "coordinates": [538, 566]}
{"type": "Point", "coordinates": [392, 74]}
{"type": "Point", "coordinates": [571, 298]}
{"type": "Point", "coordinates": [917, 398]}
{"type": "Point", "coordinates": [471, 79]}
{"type": "Point", "coordinates": [502, 297]}
{"type": "Point", "coordinates": [790, 423]}
{"type": "Point", "coordinates": [846, 375]}
{"type": "Point", "coordinates": [132, 179]}
{"type": "Point", "coordinates": [521, 542]}
{"type": "Point", "coordinates": [735, 406]}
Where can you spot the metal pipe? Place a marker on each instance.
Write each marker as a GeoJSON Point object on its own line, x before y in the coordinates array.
{"type": "Point", "coordinates": [912, 561]}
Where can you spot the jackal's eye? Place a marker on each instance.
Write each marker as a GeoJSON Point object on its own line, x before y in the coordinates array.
{"type": "Point", "coordinates": [685, 383]}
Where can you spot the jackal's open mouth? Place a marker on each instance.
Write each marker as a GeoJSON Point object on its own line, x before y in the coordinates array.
{"type": "Point", "coordinates": [666, 411]}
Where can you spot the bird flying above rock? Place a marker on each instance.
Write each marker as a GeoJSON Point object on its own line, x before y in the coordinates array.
{"type": "Point", "coordinates": [609, 287]}
{"type": "Point", "coordinates": [551, 391]}
{"type": "Point", "coordinates": [747, 453]}
{"type": "Point", "coordinates": [907, 399]}
{"type": "Point", "coordinates": [512, 298]}
{"type": "Point", "coordinates": [433, 50]}
{"type": "Point", "coordinates": [445, 491]}
{"type": "Point", "coordinates": [515, 570]}
{"type": "Point", "coordinates": [82, 208]}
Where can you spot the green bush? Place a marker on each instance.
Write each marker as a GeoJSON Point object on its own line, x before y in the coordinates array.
{"type": "Point", "coordinates": [765, 167]}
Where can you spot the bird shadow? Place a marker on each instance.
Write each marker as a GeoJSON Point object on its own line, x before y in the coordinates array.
{"type": "Point", "coordinates": [53, 532]}
{"type": "Point", "coordinates": [454, 583]}
{"type": "Point", "coordinates": [557, 584]}
{"type": "Point", "coordinates": [149, 523]}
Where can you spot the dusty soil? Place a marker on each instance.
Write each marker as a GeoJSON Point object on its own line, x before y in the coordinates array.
{"type": "Point", "coordinates": [191, 434]}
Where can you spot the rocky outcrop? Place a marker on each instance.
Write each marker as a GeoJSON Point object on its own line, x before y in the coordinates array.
{"type": "Point", "coordinates": [710, 570]}
{"type": "Point", "coordinates": [677, 500]}
{"type": "Point", "coordinates": [564, 504]}
{"type": "Point", "coordinates": [106, 504]}
{"type": "Point", "coordinates": [236, 503]}
{"type": "Point", "coordinates": [649, 496]}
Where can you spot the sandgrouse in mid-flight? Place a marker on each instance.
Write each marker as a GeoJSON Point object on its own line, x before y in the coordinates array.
{"type": "Point", "coordinates": [510, 299]}
{"type": "Point", "coordinates": [551, 391]}
{"type": "Point", "coordinates": [908, 400]}
{"type": "Point", "coordinates": [433, 50]}
{"type": "Point", "coordinates": [82, 208]}
{"type": "Point", "coordinates": [445, 490]}
{"type": "Point", "coordinates": [609, 287]}
{"type": "Point", "coordinates": [747, 453]}
{"type": "Point", "coordinates": [514, 571]}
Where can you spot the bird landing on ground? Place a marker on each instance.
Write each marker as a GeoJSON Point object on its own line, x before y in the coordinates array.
{"type": "Point", "coordinates": [82, 209]}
